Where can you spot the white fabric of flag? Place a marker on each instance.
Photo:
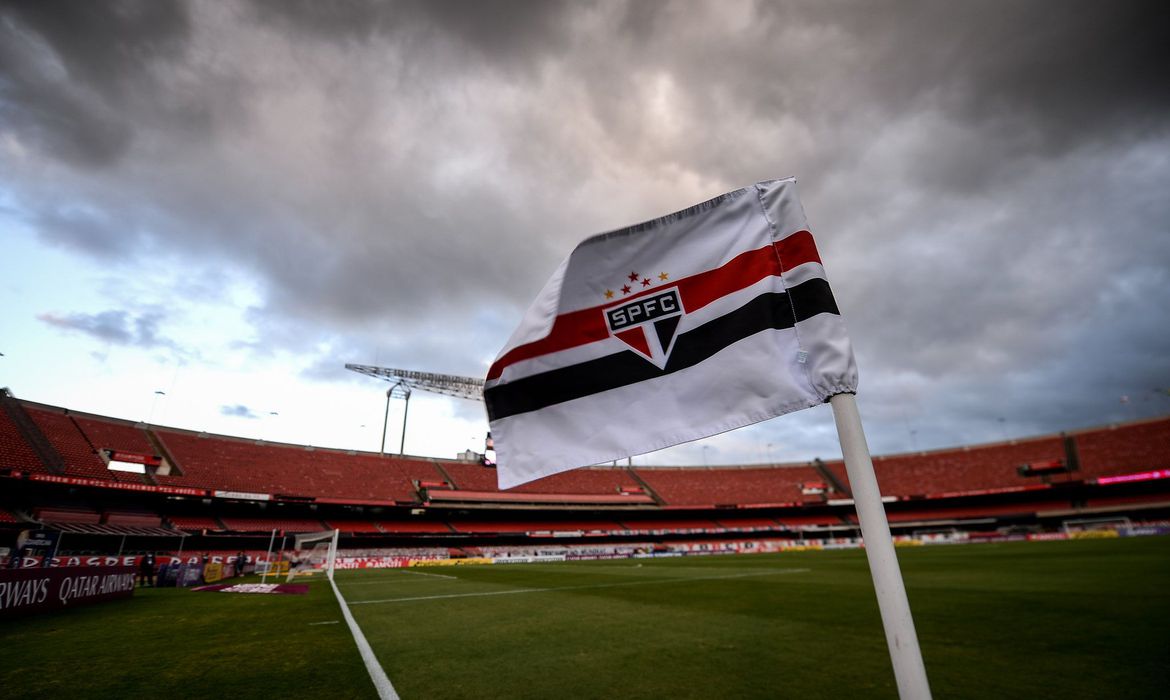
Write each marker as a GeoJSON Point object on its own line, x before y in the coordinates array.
{"type": "Point", "coordinates": [690, 325]}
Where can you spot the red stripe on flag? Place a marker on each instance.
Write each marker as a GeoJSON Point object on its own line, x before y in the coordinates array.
{"type": "Point", "coordinates": [588, 325]}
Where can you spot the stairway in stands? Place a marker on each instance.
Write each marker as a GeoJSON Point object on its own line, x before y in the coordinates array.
{"type": "Point", "coordinates": [45, 452]}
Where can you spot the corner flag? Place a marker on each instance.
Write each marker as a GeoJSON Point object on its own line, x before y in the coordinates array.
{"type": "Point", "coordinates": [686, 326]}
{"type": "Point", "coordinates": [690, 325]}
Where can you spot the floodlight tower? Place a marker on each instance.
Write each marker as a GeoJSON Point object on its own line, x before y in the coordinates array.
{"type": "Point", "coordinates": [405, 380]}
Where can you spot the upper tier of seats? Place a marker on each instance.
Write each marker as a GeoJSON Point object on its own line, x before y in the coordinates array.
{"type": "Point", "coordinates": [79, 456]}
{"type": "Point", "coordinates": [233, 464]}
{"type": "Point", "coordinates": [215, 462]}
{"type": "Point", "coordinates": [598, 480]}
{"type": "Point", "coordinates": [15, 452]}
{"type": "Point", "coordinates": [1123, 449]}
{"type": "Point", "coordinates": [724, 486]}
{"type": "Point", "coordinates": [961, 469]}
{"type": "Point", "coordinates": [1137, 447]}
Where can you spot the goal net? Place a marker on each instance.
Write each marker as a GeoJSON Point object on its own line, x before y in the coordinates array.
{"type": "Point", "coordinates": [313, 554]}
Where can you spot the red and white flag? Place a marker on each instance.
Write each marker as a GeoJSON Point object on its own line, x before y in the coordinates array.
{"type": "Point", "coordinates": [699, 322]}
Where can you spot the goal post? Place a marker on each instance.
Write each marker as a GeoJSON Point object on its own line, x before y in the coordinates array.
{"type": "Point", "coordinates": [313, 554]}
{"type": "Point", "coordinates": [332, 555]}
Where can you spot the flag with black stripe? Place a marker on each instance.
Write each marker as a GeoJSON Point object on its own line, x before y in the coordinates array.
{"type": "Point", "coordinates": [699, 322]}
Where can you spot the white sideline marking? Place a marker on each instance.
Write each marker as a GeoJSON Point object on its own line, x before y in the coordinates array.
{"type": "Point", "coordinates": [423, 573]}
{"type": "Point", "coordinates": [397, 579]}
{"type": "Point", "coordinates": [516, 591]}
{"type": "Point", "coordinates": [389, 581]}
{"type": "Point", "coordinates": [326, 622]}
{"type": "Point", "coordinates": [377, 674]}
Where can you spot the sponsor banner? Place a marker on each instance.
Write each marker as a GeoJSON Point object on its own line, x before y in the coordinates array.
{"type": "Point", "coordinates": [180, 575]}
{"type": "Point", "coordinates": [1094, 535]}
{"type": "Point", "coordinates": [242, 495]}
{"type": "Point", "coordinates": [1041, 536]}
{"type": "Point", "coordinates": [124, 486]}
{"type": "Point", "coordinates": [988, 492]}
{"type": "Point", "coordinates": [355, 501]}
{"type": "Point", "coordinates": [1140, 531]}
{"type": "Point", "coordinates": [1140, 476]}
{"type": "Point", "coordinates": [212, 572]}
{"type": "Point", "coordinates": [38, 539]}
{"type": "Point", "coordinates": [529, 559]}
{"type": "Point", "coordinates": [371, 562]}
{"type": "Point", "coordinates": [133, 458]}
{"type": "Point", "coordinates": [26, 591]}
{"type": "Point", "coordinates": [162, 558]}
{"type": "Point", "coordinates": [275, 568]}
{"type": "Point", "coordinates": [469, 561]}
{"type": "Point", "coordinates": [263, 588]}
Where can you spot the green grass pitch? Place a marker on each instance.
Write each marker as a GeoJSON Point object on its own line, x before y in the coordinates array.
{"type": "Point", "coordinates": [1075, 619]}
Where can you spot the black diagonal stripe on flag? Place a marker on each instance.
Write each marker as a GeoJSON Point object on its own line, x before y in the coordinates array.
{"type": "Point", "coordinates": [771, 310]}
{"type": "Point", "coordinates": [665, 331]}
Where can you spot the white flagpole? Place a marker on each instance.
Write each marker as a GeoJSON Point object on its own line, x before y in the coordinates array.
{"type": "Point", "coordinates": [909, 671]}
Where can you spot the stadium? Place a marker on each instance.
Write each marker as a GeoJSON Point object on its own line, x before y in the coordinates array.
{"type": "Point", "coordinates": [673, 254]}
{"type": "Point", "coordinates": [200, 500]}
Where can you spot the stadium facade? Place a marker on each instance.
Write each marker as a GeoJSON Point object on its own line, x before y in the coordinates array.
{"type": "Point", "coordinates": [198, 493]}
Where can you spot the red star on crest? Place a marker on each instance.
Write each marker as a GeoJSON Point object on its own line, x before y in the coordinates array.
{"type": "Point", "coordinates": [646, 282]}
{"type": "Point", "coordinates": [633, 276]}
{"type": "Point", "coordinates": [626, 289]}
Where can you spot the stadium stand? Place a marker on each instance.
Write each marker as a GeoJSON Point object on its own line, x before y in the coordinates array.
{"type": "Point", "coordinates": [738, 523]}
{"type": "Point", "coordinates": [106, 434]}
{"type": "Point", "coordinates": [195, 523]}
{"type": "Point", "coordinates": [959, 470]}
{"type": "Point", "coordinates": [800, 521]}
{"type": "Point", "coordinates": [728, 485]}
{"type": "Point", "coordinates": [1127, 501]}
{"type": "Point", "coordinates": [673, 524]}
{"type": "Point", "coordinates": [516, 496]}
{"type": "Point", "coordinates": [354, 526]}
{"type": "Point", "coordinates": [15, 452]}
{"type": "Point", "coordinates": [67, 515]}
{"type": "Point", "coordinates": [479, 526]}
{"type": "Point", "coordinates": [215, 462]}
{"type": "Point", "coordinates": [52, 471]}
{"type": "Point", "coordinates": [422, 527]}
{"type": "Point", "coordinates": [597, 480]}
{"type": "Point", "coordinates": [1124, 449]}
{"type": "Point", "coordinates": [132, 519]}
{"type": "Point", "coordinates": [79, 457]}
{"type": "Point", "coordinates": [269, 524]}
{"type": "Point", "coordinates": [972, 512]}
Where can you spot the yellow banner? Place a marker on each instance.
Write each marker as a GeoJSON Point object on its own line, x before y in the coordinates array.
{"type": "Point", "coordinates": [212, 572]}
{"type": "Point", "coordinates": [1093, 535]}
{"type": "Point", "coordinates": [450, 562]}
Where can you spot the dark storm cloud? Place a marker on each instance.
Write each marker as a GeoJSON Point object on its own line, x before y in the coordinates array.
{"type": "Point", "coordinates": [68, 70]}
{"type": "Point", "coordinates": [115, 326]}
{"type": "Point", "coordinates": [513, 29]}
{"type": "Point", "coordinates": [986, 180]}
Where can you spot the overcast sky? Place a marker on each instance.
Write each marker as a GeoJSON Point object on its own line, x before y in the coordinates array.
{"type": "Point", "coordinates": [228, 201]}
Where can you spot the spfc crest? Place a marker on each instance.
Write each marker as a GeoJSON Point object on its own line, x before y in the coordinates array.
{"type": "Point", "coordinates": [647, 324]}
